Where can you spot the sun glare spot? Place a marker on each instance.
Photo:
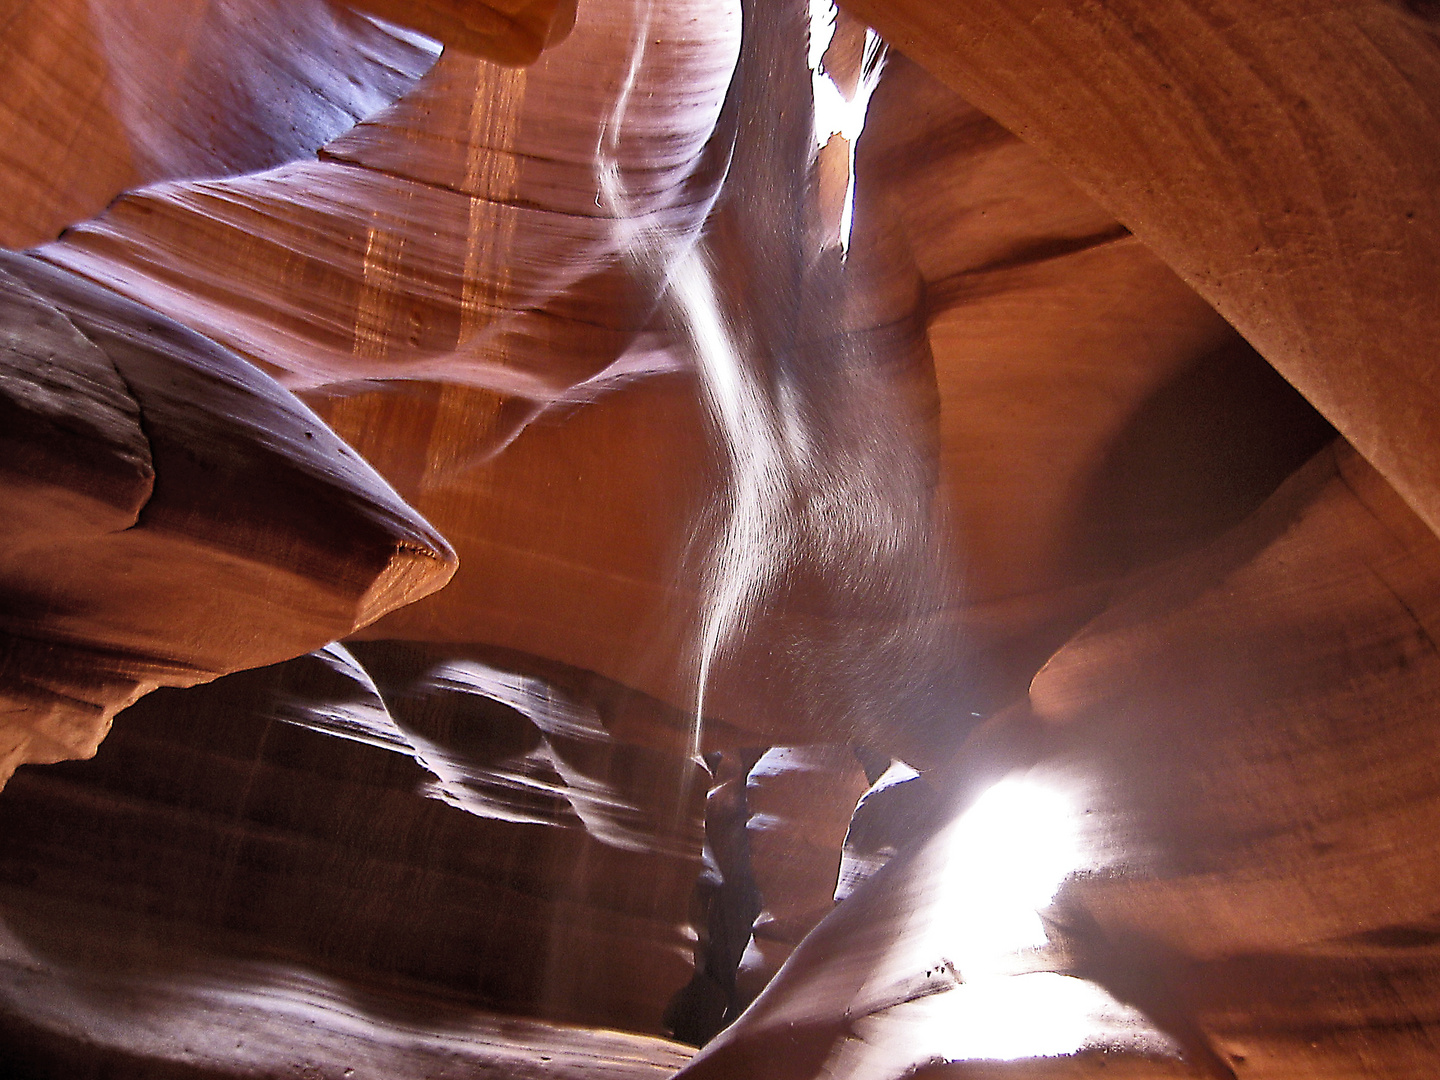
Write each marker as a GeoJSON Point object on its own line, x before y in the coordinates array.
{"type": "Point", "coordinates": [996, 868]}
{"type": "Point", "coordinates": [1007, 855]}
{"type": "Point", "coordinates": [971, 981]}
{"type": "Point", "coordinates": [836, 112]}
{"type": "Point", "coordinates": [1034, 1015]}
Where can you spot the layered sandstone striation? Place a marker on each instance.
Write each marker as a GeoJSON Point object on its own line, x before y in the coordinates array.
{"type": "Point", "coordinates": [178, 516]}
{"type": "Point", "coordinates": [1088, 448]}
{"type": "Point", "coordinates": [99, 98]}
{"type": "Point", "coordinates": [1278, 157]}
{"type": "Point", "coordinates": [449, 820]}
{"type": "Point", "coordinates": [1243, 780]}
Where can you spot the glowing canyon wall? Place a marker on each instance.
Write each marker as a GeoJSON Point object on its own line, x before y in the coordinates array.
{"type": "Point", "coordinates": [887, 542]}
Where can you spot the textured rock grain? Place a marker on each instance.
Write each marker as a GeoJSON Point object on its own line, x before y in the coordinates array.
{"type": "Point", "coordinates": [207, 553]}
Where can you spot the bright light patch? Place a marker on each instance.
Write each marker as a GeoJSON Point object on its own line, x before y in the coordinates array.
{"type": "Point", "coordinates": [1036, 1015]}
{"type": "Point", "coordinates": [1039, 1014]}
{"type": "Point", "coordinates": [1008, 855]}
{"type": "Point", "coordinates": [836, 114]}
{"type": "Point", "coordinates": [966, 986]}
{"type": "Point", "coordinates": [823, 14]}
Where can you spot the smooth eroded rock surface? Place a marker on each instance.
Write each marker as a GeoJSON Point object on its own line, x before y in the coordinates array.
{"type": "Point", "coordinates": [206, 520]}
{"type": "Point", "coordinates": [909, 575]}
{"type": "Point", "coordinates": [96, 98]}
{"type": "Point", "coordinates": [440, 817]}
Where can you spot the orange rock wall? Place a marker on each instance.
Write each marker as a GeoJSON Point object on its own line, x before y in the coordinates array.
{"type": "Point", "coordinates": [1053, 490]}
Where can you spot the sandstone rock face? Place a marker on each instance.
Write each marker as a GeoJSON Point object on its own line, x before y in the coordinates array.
{"type": "Point", "coordinates": [1252, 822]}
{"type": "Point", "coordinates": [1094, 415]}
{"type": "Point", "coordinates": [889, 482]}
{"type": "Point", "coordinates": [1276, 703]}
{"type": "Point", "coordinates": [476, 278]}
{"type": "Point", "coordinates": [179, 1011]}
{"type": "Point", "coordinates": [1277, 156]}
{"type": "Point", "coordinates": [166, 527]}
{"type": "Point", "coordinates": [510, 32]}
{"type": "Point", "coordinates": [100, 97]}
{"type": "Point", "coordinates": [800, 800]}
{"type": "Point", "coordinates": [445, 818]}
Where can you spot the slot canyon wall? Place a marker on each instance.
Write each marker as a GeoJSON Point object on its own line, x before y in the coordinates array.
{"type": "Point", "coordinates": [609, 539]}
